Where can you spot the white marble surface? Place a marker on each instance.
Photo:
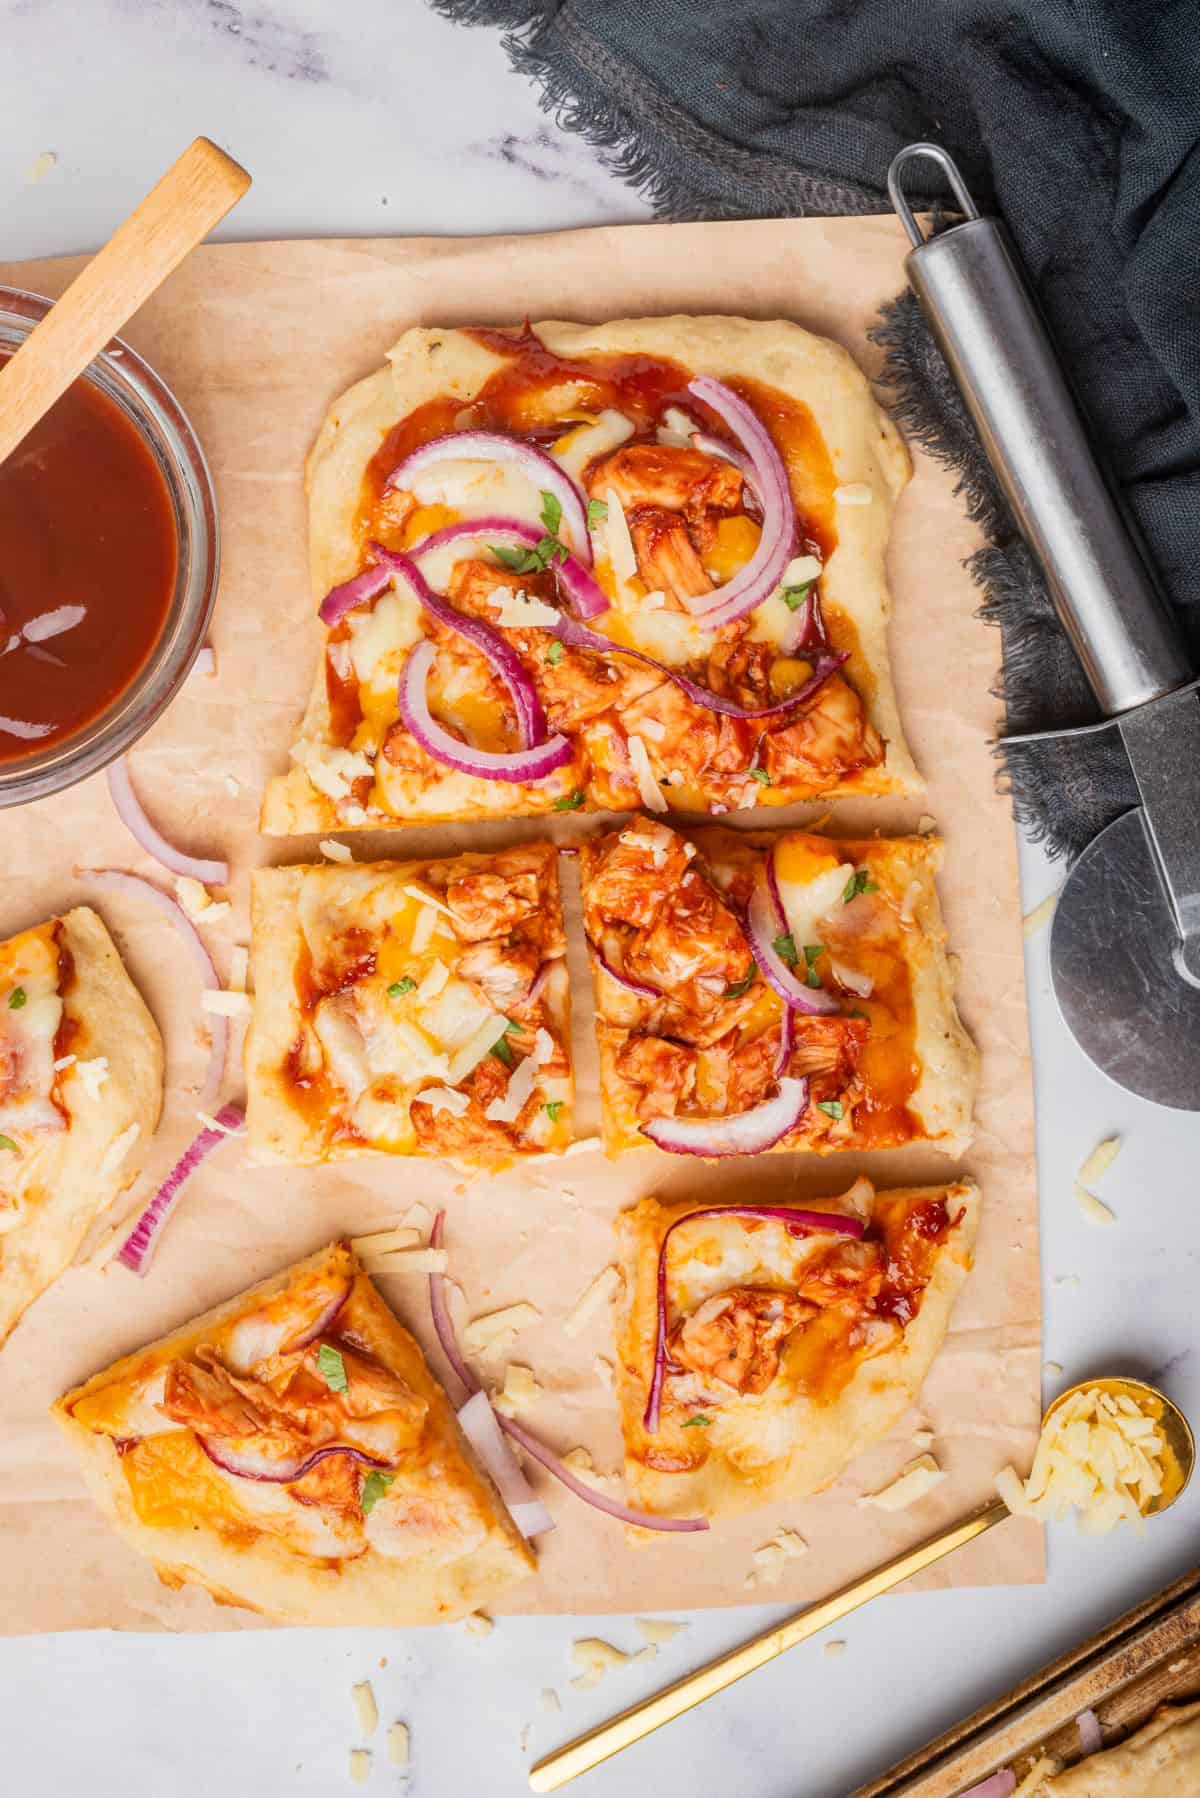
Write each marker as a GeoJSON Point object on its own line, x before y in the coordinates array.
{"type": "Point", "coordinates": [372, 117]}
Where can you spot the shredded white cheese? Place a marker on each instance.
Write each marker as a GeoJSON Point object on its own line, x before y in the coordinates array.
{"type": "Point", "coordinates": [497, 1327]}
{"type": "Point", "coordinates": [481, 1042]}
{"type": "Point", "coordinates": [479, 1625]}
{"type": "Point", "coordinates": [914, 1484]}
{"type": "Point", "coordinates": [595, 1657]}
{"type": "Point", "coordinates": [334, 851]}
{"type": "Point", "coordinates": [93, 1074]}
{"type": "Point", "coordinates": [507, 1108]}
{"type": "Point", "coordinates": [1100, 1160]}
{"type": "Point", "coordinates": [435, 979]}
{"type": "Point", "coordinates": [225, 1005]}
{"type": "Point", "coordinates": [550, 1699]}
{"type": "Point", "coordinates": [398, 1744]}
{"type": "Point", "coordinates": [423, 896]}
{"type": "Point", "coordinates": [365, 1708]}
{"type": "Point", "coordinates": [407, 1261]}
{"type": "Point", "coordinates": [854, 493]}
{"type": "Point", "coordinates": [643, 773]}
{"type": "Point", "coordinates": [599, 1293]}
{"type": "Point", "coordinates": [360, 1766]}
{"type": "Point", "coordinates": [1093, 1209]}
{"type": "Point", "coordinates": [65, 1061]}
{"type": "Point", "coordinates": [800, 570]}
{"type": "Point", "coordinates": [658, 1630]}
{"type": "Point", "coordinates": [1098, 1452]}
{"type": "Point", "coordinates": [197, 902]}
{"type": "Point", "coordinates": [330, 770]}
{"type": "Point", "coordinates": [116, 1151]}
{"type": "Point", "coordinates": [614, 531]}
{"type": "Point", "coordinates": [1039, 917]}
{"type": "Point", "coordinates": [519, 612]}
{"type": "Point", "coordinates": [520, 1390]}
{"type": "Point", "coordinates": [603, 1370]}
{"type": "Point", "coordinates": [444, 1098]}
{"type": "Point", "coordinates": [1052, 1369]}
{"type": "Point", "coordinates": [1042, 1770]}
{"type": "Point", "coordinates": [833, 1651]}
{"type": "Point", "coordinates": [212, 1123]}
{"type": "Point", "coordinates": [379, 1242]}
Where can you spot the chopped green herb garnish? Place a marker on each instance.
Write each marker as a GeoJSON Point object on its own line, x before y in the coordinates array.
{"type": "Point", "coordinates": [6, 1142]}
{"type": "Point", "coordinates": [16, 998]}
{"type": "Point", "coordinates": [693, 1423]}
{"type": "Point", "coordinates": [511, 1029]}
{"type": "Point", "coordinates": [399, 987]}
{"type": "Point", "coordinates": [373, 1489]}
{"type": "Point", "coordinates": [742, 986]}
{"type": "Point", "coordinates": [554, 654]}
{"type": "Point", "coordinates": [831, 1107]}
{"type": "Point", "coordinates": [332, 1368]}
{"type": "Point", "coordinates": [859, 882]}
{"type": "Point", "coordinates": [551, 513]}
{"type": "Point", "coordinates": [570, 802]}
{"type": "Point", "coordinates": [502, 1052]}
{"type": "Point", "coordinates": [794, 597]}
{"type": "Point", "coordinates": [761, 776]}
{"type": "Point", "coordinates": [811, 952]}
{"type": "Point", "coordinates": [861, 1014]}
{"type": "Point", "coordinates": [531, 561]}
{"type": "Point", "coordinates": [785, 948]}
{"type": "Point", "coordinates": [516, 559]}
{"type": "Point", "coordinates": [552, 1107]}
{"type": "Point", "coordinates": [597, 512]}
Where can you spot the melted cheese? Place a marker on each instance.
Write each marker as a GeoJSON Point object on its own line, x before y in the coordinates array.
{"type": "Point", "coordinates": [575, 449]}
{"type": "Point", "coordinates": [811, 883]}
{"type": "Point", "coordinates": [381, 639]}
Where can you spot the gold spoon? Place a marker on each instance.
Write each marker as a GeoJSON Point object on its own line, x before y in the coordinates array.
{"type": "Point", "coordinates": [607, 1739]}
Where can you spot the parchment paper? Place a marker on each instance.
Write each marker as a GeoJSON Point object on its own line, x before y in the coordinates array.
{"type": "Point", "coordinates": [256, 340]}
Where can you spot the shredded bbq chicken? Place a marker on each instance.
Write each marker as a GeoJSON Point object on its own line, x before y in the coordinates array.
{"type": "Point", "coordinates": [735, 1337]}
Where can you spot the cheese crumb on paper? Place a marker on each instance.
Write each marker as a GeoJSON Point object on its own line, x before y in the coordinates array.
{"type": "Point", "coordinates": [833, 1651]}
{"type": "Point", "coordinates": [408, 1261]}
{"type": "Point", "coordinates": [520, 1390]}
{"type": "Point", "coordinates": [360, 1766]}
{"type": "Point", "coordinates": [334, 851]}
{"type": "Point", "coordinates": [1052, 1369]}
{"type": "Point", "coordinates": [365, 1708]}
{"type": "Point", "coordinates": [579, 1460]}
{"type": "Point", "coordinates": [550, 1699]}
{"type": "Point", "coordinates": [599, 1293]}
{"type": "Point", "coordinates": [239, 968]}
{"type": "Point", "coordinates": [1098, 1453]}
{"type": "Point", "coordinates": [595, 1658]}
{"type": "Point", "coordinates": [658, 1630]}
{"type": "Point", "coordinates": [479, 1625]}
{"type": "Point", "coordinates": [1039, 917]}
{"type": "Point", "coordinates": [398, 1744]}
{"type": "Point", "coordinates": [772, 1558]}
{"type": "Point", "coordinates": [196, 900]}
{"type": "Point", "coordinates": [917, 1479]}
{"type": "Point", "coordinates": [604, 1371]}
{"type": "Point", "coordinates": [218, 1003]}
{"type": "Point", "coordinates": [40, 167]}
{"type": "Point", "coordinates": [379, 1242]}
{"type": "Point", "coordinates": [495, 1328]}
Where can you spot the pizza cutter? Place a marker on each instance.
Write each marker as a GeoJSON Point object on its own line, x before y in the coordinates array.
{"type": "Point", "coordinates": [1125, 942]}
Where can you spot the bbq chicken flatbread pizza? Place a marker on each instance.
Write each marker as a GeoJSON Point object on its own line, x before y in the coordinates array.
{"type": "Point", "coordinates": [410, 1008]}
{"type": "Point", "coordinates": [291, 1452]}
{"type": "Point", "coordinates": [580, 567]}
{"type": "Point", "coordinates": [760, 1348]}
{"type": "Point", "coordinates": [81, 1070]}
{"type": "Point", "coordinates": [786, 992]}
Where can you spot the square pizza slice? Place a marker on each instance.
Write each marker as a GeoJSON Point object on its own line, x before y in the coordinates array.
{"type": "Point", "coordinates": [410, 1008]}
{"type": "Point", "coordinates": [291, 1452]}
{"type": "Point", "coordinates": [81, 1072]}
{"type": "Point", "coordinates": [760, 992]}
{"type": "Point", "coordinates": [598, 567]}
{"type": "Point", "coordinates": [760, 1348]}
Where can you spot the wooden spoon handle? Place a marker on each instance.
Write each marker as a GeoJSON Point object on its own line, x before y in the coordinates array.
{"type": "Point", "coordinates": [194, 195]}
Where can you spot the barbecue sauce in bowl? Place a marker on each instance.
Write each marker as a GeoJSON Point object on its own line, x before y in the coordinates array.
{"type": "Point", "coordinates": [89, 556]}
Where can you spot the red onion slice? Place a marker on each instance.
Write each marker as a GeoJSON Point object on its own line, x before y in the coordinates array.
{"type": "Point", "coordinates": [218, 1027]}
{"type": "Point", "coordinates": [637, 987]}
{"type": "Point", "coordinates": [501, 656]}
{"type": "Point", "coordinates": [258, 1336]}
{"type": "Point", "coordinates": [277, 1470]}
{"type": "Point", "coordinates": [546, 474]}
{"type": "Point", "coordinates": [717, 446]}
{"type": "Point", "coordinates": [787, 1042]}
{"type": "Point", "coordinates": [523, 765]}
{"type": "Point", "coordinates": [760, 576]}
{"type": "Point", "coordinates": [1091, 1740]}
{"type": "Point", "coordinates": [581, 638]}
{"type": "Point", "coordinates": [765, 924]}
{"type": "Point", "coordinates": [359, 591]}
{"type": "Point", "coordinates": [527, 1440]}
{"type": "Point", "coordinates": [798, 1223]}
{"type": "Point", "coordinates": [581, 587]}
{"type": "Point", "coordinates": [481, 1427]}
{"type": "Point", "coordinates": [806, 630]}
{"type": "Point", "coordinates": [749, 1133]}
{"type": "Point", "coordinates": [129, 809]}
{"type": "Point", "coordinates": [135, 1252]}
{"type": "Point", "coordinates": [997, 1785]}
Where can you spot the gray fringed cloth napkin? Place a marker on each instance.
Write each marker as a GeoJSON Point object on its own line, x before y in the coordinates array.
{"type": "Point", "coordinates": [1078, 120]}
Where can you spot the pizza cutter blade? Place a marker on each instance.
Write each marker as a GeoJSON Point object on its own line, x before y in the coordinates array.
{"type": "Point", "coordinates": [1125, 944]}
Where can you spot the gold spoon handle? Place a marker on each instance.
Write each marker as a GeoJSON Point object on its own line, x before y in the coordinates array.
{"type": "Point", "coordinates": [639, 1720]}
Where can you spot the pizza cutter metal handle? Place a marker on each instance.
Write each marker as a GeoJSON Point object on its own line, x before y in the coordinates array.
{"type": "Point", "coordinates": [972, 292]}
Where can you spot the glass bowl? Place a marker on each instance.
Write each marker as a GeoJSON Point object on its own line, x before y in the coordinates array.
{"type": "Point", "coordinates": [152, 408]}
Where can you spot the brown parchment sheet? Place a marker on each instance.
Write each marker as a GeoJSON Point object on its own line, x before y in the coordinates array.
{"type": "Point", "coordinates": [256, 340]}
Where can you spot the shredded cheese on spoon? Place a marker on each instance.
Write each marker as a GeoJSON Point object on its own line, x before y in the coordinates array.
{"type": "Point", "coordinates": [1101, 1454]}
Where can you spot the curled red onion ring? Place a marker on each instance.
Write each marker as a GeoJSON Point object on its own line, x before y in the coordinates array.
{"type": "Point", "coordinates": [523, 765]}
{"type": "Point", "coordinates": [1091, 1739]}
{"type": "Point", "coordinates": [798, 1223]}
{"type": "Point", "coordinates": [537, 985]}
{"type": "Point", "coordinates": [501, 656]}
{"type": "Point", "coordinates": [359, 591]}
{"type": "Point", "coordinates": [748, 1133]}
{"type": "Point", "coordinates": [716, 446]}
{"type": "Point", "coordinates": [135, 1252]}
{"type": "Point", "coordinates": [256, 1338]}
{"type": "Point", "coordinates": [760, 576]}
{"type": "Point", "coordinates": [218, 1027]}
{"type": "Point", "coordinates": [807, 629]}
{"type": "Point", "coordinates": [132, 815]}
{"type": "Point", "coordinates": [638, 987]}
{"type": "Point", "coordinates": [248, 1464]}
{"type": "Point", "coordinates": [580, 637]}
{"type": "Point", "coordinates": [996, 1785]}
{"type": "Point", "coordinates": [527, 1440]}
{"type": "Point", "coordinates": [546, 474]}
{"type": "Point", "coordinates": [481, 1427]}
{"type": "Point", "coordinates": [765, 923]}
{"type": "Point", "coordinates": [581, 587]}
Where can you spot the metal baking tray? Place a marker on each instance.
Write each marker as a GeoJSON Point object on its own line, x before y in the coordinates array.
{"type": "Point", "coordinates": [1148, 1657]}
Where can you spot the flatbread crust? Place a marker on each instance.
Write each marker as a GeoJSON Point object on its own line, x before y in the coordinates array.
{"type": "Point", "coordinates": [239, 1564]}
{"type": "Point", "coordinates": [296, 1125]}
{"type": "Point", "coordinates": [66, 1180]}
{"type": "Point", "coordinates": [904, 870]}
{"type": "Point", "coordinates": [866, 451]}
{"type": "Point", "coordinates": [1162, 1760]}
{"type": "Point", "coordinates": [790, 1441]}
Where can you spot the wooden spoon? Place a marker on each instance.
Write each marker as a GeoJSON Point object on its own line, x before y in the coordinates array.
{"type": "Point", "coordinates": [194, 195]}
